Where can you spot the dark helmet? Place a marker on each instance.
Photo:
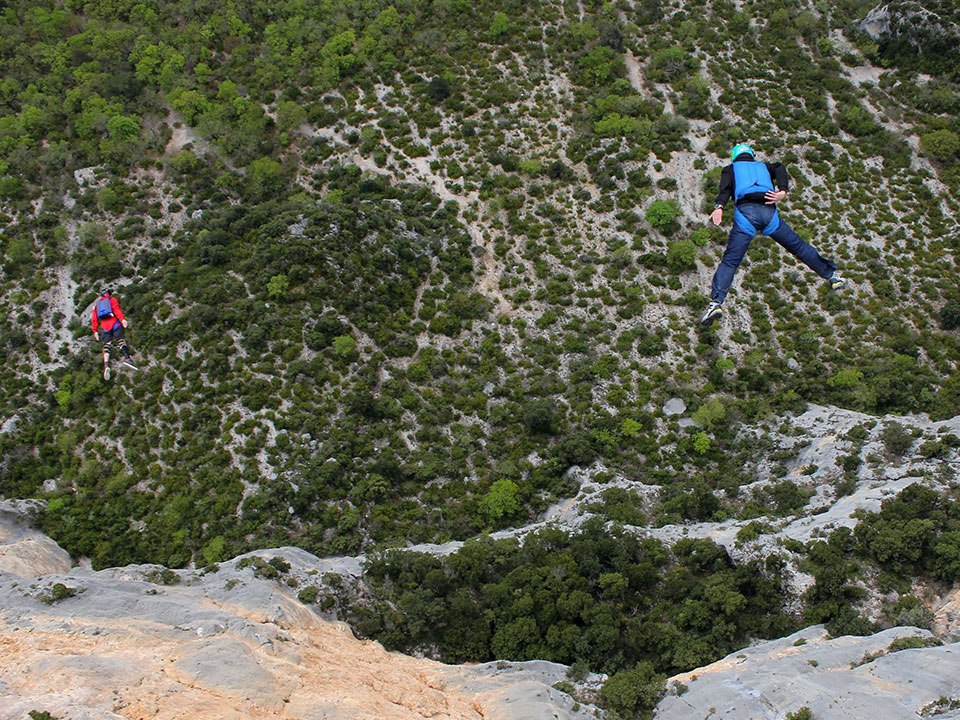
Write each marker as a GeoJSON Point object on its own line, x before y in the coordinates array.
{"type": "Point", "coordinates": [105, 291]}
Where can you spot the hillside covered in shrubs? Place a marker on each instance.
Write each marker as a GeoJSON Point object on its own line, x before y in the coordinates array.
{"type": "Point", "coordinates": [392, 269]}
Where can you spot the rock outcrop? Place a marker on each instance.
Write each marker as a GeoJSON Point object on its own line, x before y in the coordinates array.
{"type": "Point", "coordinates": [844, 678]}
{"type": "Point", "coordinates": [817, 441]}
{"type": "Point", "coordinates": [23, 550]}
{"type": "Point", "coordinates": [147, 642]}
{"type": "Point", "coordinates": [911, 23]}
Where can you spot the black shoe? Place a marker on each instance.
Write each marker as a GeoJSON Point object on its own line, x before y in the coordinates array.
{"type": "Point", "coordinates": [129, 363]}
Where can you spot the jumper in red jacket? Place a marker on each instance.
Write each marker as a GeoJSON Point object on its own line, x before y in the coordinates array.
{"type": "Point", "coordinates": [107, 323]}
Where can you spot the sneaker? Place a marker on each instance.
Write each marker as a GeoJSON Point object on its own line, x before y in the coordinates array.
{"type": "Point", "coordinates": [106, 372]}
{"type": "Point", "coordinates": [836, 282]}
{"type": "Point", "coordinates": [129, 363]}
{"type": "Point", "coordinates": [714, 311]}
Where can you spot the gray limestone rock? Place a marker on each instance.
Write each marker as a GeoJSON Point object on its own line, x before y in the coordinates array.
{"type": "Point", "coordinates": [23, 550]}
{"type": "Point", "coordinates": [512, 690]}
{"type": "Point", "coordinates": [844, 678]}
{"type": "Point", "coordinates": [58, 705]}
{"type": "Point", "coordinates": [910, 23]}
{"type": "Point", "coordinates": [87, 177]}
{"type": "Point", "coordinates": [674, 406]}
{"type": "Point", "coordinates": [9, 425]}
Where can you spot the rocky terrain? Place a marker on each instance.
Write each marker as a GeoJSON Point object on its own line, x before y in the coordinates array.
{"type": "Point", "coordinates": [147, 642]}
{"type": "Point", "coordinates": [233, 640]}
{"type": "Point", "coordinates": [834, 678]}
{"type": "Point", "coordinates": [405, 275]}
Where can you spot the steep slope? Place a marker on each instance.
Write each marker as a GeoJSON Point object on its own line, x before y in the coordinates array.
{"type": "Point", "coordinates": [367, 294]}
{"type": "Point", "coordinates": [146, 641]}
{"type": "Point", "coordinates": [394, 270]}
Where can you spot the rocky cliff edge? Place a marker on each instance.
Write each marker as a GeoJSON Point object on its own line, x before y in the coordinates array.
{"type": "Point", "coordinates": [147, 642]}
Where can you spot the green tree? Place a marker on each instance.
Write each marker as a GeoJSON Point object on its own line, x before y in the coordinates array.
{"type": "Point", "coordinates": [661, 215]}
{"type": "Point", "coordinates": [681, 255]}
{"type": "Point", "coordinates": [337, 59]}
{"type": "Point", "coordinates": [345, 346]}
{"type": "Point", "coordinates": [942, 144]}
{"type": "Point", "coordinates": [950, 315]}
{"type": "Point", "coordinates": [277, 286]}
{"type": "Point", "coordinates": [290, 115]}
{"type": "Point", "coordinates": [599, 66]}
{"type": "Point", "coordinates": [499, 26]}
{"type": "Point", "coordinates": [502, 501]}
{"type": "Point", "coordinates": [635, 691]}
{"type": "Point", "coordinates": [213, 551]}
{"type": "Point", "coordinates": [711, 414]}
{"type": "Point", "coordinates": [265, 177]}
{"type": "Point", "coordinates": [513, 640]}
{"type": "Point", "coordinates": [123, 127]}
{"type": "Point", "coordinates": [539, 416]}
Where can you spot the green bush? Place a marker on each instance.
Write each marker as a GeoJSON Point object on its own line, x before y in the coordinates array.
{"type": "Point", "coordinates": [896, 438]}
{"type": "Point", "coordinates": [308, 595]}
{"type": "Point", "coordinates": [681, 255]}
{"type": "Point", "coordinates": [662, 215]}
{"type": "Point", "coordinates": [539, 416]}
{"type": "Point", "coordinates": [950, 315]}
{"type": "Point", "coordinates": [633, 692]}
{"type": "Point", "coordinates": [502, 502]}
{"type": "Point", "coordinates": [943, 144]}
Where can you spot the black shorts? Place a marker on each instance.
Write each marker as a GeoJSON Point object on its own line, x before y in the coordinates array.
{"type": "Point", "coordinates": [115, 333]}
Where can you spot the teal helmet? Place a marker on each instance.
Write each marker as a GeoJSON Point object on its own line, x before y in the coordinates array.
{"type": "Point", "coordinates": [739, 149]}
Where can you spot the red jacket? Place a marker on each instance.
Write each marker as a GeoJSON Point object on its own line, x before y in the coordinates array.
{"type": "Point", "coordinates": [107, 324]}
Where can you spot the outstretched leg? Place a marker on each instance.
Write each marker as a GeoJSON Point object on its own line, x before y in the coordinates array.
{"type": "Point", "coordinates": [737, 245]}
{"type": "Point", "coordinates": [803, 251]}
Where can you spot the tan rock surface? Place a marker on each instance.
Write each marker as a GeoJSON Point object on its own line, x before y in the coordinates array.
{"type": "Point", "coordinates": [127, 669]}
{"type": "Point", "coordinates": [234, 646]}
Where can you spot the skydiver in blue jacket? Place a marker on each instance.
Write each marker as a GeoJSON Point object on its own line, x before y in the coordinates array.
{"type": "Point", "coordinates": [756, 188]}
